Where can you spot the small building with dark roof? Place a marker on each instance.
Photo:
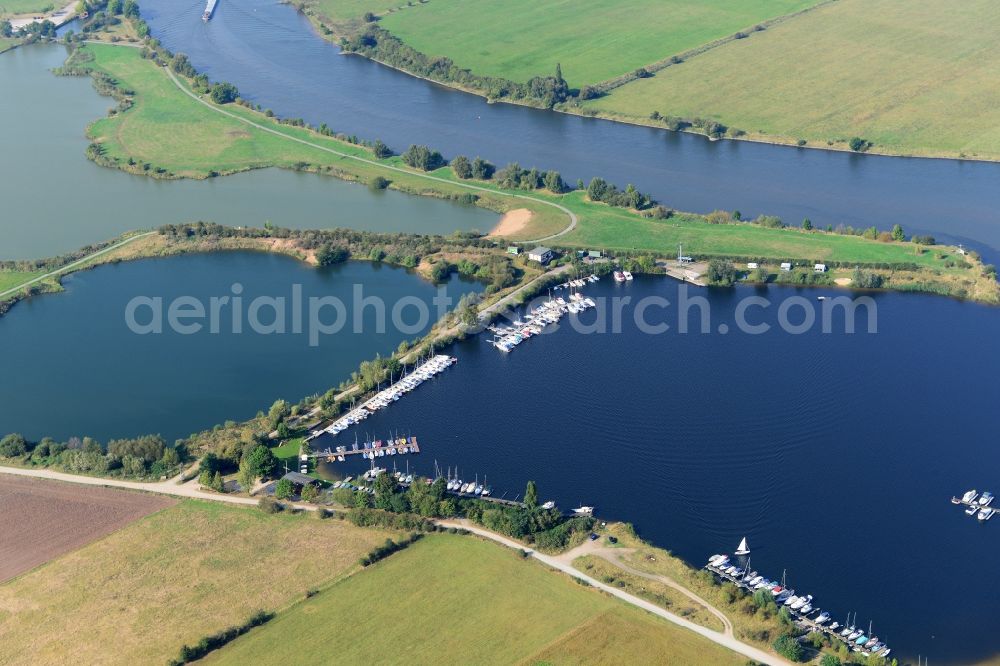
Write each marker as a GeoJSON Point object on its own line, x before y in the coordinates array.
{"type": "Point", "coordinates": [299, 479]}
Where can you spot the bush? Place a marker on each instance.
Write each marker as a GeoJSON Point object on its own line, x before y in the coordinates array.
{"type": "Point", "coordinates": [857, 144]}
{"type": "Point", "coordinates": [462, 167]}
{"type": "Point", "coordinates": [269, 505]}
{"type": "Point", "coordinates": [422, 157]}
{"type": "Point", "coordinates": [721, 272]}
{"type": "Point", "coordinates": [13, 445]}
{"type": "Point", "coordinates": [378, 183]}
{"type": "Point", "coordinates": [789, 648]}
{"type": "Point", "coordinates": [380, 150]}
{"type": "Point", "coordinates": [224, 93]}
{"type": "Point", "coordinates": [387, 549]}
{"type": "Point", "coordinates": [284, 489]}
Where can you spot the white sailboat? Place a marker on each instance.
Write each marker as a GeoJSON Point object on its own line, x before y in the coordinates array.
{"type": "Point", "coordinates": [743, 548]}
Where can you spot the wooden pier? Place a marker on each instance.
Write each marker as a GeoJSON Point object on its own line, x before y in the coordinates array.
{"type": "Point", "coordinates": [400, 446]}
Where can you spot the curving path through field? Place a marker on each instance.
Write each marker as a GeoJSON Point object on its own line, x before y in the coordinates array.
{"type": "Point", "coordinates": [264, 128]}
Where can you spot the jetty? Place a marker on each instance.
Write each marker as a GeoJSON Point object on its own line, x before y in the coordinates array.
{"type": "Point", "coordinates": [431, 368]}
{"type": "Point", "coordinates": [369, 450]}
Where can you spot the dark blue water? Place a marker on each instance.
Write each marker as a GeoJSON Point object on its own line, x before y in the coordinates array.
{"type": "Point", "coordinates": [835, 454]}
{"type": "Point", "coordinates": [72, 366]}
{"type": "Point", "coordinates": [273, 55]}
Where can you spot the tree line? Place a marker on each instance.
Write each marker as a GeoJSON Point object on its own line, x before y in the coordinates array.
{"type": "Point", "coordinates": [147, 456]}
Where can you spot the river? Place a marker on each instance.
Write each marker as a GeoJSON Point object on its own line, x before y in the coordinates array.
{"type": "Point", "coordinates": [276, 59]}
{"type": "Point", "coordinates": [835, 454]}
{"type": "Point", "coordinates": [80, 370]}
{"type": "Point", "coordinates": [56, 200]}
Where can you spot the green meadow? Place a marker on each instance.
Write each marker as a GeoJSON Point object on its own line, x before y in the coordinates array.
{"type": "Point", "coordinates": [170, 130]}
{"type": "Point", "coordinates": [459, 600]}
{"type": "Point", "coordinates": [593, 41]}
{"type": "Point", "coordinates": [911, 77]}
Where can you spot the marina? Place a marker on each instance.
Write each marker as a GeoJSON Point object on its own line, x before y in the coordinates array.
{"type": "Point", "coordinates": [386, 397]}
{"type": "Point", "coordinates": [506, 338]}
{"type": "Point", "coordinates": [976, 505]}
{"type": "Point", "coordinates": [807, 615]}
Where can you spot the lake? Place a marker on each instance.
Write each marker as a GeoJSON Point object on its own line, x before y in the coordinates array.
{"type": "Point", "coordinates": [80, 370]}
{"type": "Point", "coordinates": [835, 454]}
{"type": "Point", "coordinates": [276, 59]}
{"type": "Point", "coordinates": [56, 200]}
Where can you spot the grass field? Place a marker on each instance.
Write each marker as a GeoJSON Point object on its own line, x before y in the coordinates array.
{"type": "Point", "coordinates": [452, 599]}
{"type": "Point", "coordinates": [14, 7]}
{"type": "Point", "coordinates": [137, 595]}
{"type": "Point", "coordinates": [594, 41]}
{"type": "Point", "coordinates": [11, 279]}
{"type": "Point", "coordinates": [911, 77]}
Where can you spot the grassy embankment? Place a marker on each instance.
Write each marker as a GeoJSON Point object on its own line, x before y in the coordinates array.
{"type": "Point", "coordinates": [593, 41]}
{"type": "Point", "coordinates": [175, 133]}
{"type": "Point", "coordinates": [171, 578]}
{"type": "Point", "coordinates": [912, 78]}
{"type": "Point", "coordinates": [450, 599]}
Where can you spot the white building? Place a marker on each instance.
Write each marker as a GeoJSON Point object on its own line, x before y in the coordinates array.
{"type": "Point", "coordinates": [786, 266]}
{"type": "Point", "coordinates": [752, 265]}
{"type": "Point", "coordinates": [542, 255]}
{"type": "Point", "coordinates": [820, 268]}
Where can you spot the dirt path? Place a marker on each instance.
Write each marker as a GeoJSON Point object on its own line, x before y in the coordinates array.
{"type": "Point", "coordinates": [614, 556]}
{"type": "Point", "coordinates": [559, 562]}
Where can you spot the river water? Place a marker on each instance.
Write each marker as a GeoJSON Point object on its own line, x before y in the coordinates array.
{"type": "Point", "coordinates": [835, 454]}
{"type": "Point", "coordinates": [80, 370]}
{"type": "Point", "coordinates": [56, 200]}
{"type": "Point", "coordinates": [276, 59]}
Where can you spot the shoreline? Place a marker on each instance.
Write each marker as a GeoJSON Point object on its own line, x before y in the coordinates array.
{"type": "Point", "coordinates": [776, 140]}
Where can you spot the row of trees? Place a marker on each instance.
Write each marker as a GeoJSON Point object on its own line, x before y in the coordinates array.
{"type": "Point", "coordinates": [140, 457]}
{"type": "Point", "coordinates": [378, 44]}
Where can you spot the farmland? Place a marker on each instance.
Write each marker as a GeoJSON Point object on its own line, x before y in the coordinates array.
{"type": "Point", "coordinates": [924, 86]}
{"type": "Point", "coordinates": [593, 41]}
{"type": "Point", "coordinates": [170, 579]}
{"type": "Point", "coordinates": [451, 599]}
{"type": "Point", "coordinates": [41, 520]}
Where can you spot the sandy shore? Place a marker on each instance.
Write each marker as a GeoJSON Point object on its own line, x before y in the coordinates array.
{"type": "Point", "coordinates": [513, 221]}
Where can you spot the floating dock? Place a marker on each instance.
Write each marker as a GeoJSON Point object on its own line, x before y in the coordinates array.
{"type": "Point", "coordinates": [369, 450]}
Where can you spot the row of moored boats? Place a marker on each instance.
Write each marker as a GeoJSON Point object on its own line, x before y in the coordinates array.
{"type": "Point", "coordinates": [977, 505]}
{"type": "Point", "coordinates": [623, 276]}
{"type": "Point", "coordinates": [801, 606]}
{"type": "Point", "coordinates": [549, 312]}
{"type": "Point", "coordinates": [579, 282]}
{"type": "Point", "coordinates": [434, 366]}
